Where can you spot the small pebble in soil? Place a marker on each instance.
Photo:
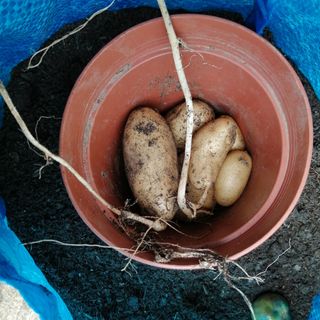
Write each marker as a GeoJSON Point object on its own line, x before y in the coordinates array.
{"type": "Point", "coordinates": [297, 268]}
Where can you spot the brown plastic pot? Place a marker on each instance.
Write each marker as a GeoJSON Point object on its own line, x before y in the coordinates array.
{"type": "Point", "coordinates": [230, 67]}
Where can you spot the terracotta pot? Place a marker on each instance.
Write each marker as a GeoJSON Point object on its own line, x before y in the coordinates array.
{"type": "Point", "coordinates": [234, 70]}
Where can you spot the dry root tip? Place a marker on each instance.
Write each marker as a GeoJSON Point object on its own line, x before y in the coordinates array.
{"type": "Point", "coordinates": [163, 256]}
{"type": "Point", "coordinates": [156, 225]}
{"type": "Point", "coordinates": [159, 225]}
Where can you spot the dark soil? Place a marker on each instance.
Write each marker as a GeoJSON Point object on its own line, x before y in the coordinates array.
{"type": "Point", "coordinates": [90, 280]}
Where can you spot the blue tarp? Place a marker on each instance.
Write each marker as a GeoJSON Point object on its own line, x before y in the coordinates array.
{"type": "Point", "coordinates": [295, 25]}
{"type": "Point", "coordinates": [18, 269]}
{"type": "Point", "coordinates": [25, 25]}
{"type": "Point", "coordinates": [315, 310]}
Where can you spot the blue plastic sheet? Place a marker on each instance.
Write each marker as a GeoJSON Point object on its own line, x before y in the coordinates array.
{"type": "Point", "coordinates": [259, 16]}
{"type": "Point", "coordinates": [25, 25]}
{"type": "Point", "coordinates": [18, 269]}
{"type": "Point", "coordinates": [295, 24]}
{"type": "Point", "coordinates": [315, 310]}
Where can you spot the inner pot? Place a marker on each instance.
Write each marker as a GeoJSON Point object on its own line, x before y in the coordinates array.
{"type": "Point", "coordinates": [236, 72]}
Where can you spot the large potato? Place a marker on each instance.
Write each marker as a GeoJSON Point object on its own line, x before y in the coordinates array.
{"type": "Point", "coordinates": [177, 120]}
{"type": "Point", "coordinates": [233, 177]}
{"type": "Point", "coordinates": [210, 147]}
{"type": "Point", "coordinates": [150, 158]}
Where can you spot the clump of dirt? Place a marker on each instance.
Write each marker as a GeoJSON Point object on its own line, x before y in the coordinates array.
{"type": "Point", "coordinates": [145, 128]}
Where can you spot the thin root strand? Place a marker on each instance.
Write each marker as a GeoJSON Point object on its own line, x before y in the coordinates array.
{"type": "Point", "coordinates": [42, 52]}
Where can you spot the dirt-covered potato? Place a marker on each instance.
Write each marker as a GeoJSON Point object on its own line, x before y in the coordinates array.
{"type": "Point", "coordinates": [239, 144]}
{"type": "Point", "coordinates": [177, 120]}
{"type": "Point", "coordinates": [233, 177]}
{"type": "Point", "coordinates": [210, 147]}
{"type": "Point", "coordinates": [150, 158]}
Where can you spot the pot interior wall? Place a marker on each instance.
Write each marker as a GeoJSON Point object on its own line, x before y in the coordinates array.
{"type": "Point", "coordinates": [227, 86]}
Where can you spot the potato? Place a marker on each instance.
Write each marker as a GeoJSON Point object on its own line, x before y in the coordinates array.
{"type": "Point", "coordinates": [194, 195]}
{"type": "Point", "coordinates": [177, 120]}
{"type": "Point", "coordinates": [180, 215]}
{"type": "Point", "coordinates": [150, 158]}
{"type": "Point", "coordinates": [233, 177]}
{"type": "Point", "coordinates": [239, 144]}
{"type": "Point", "coordinates": [210, 147]}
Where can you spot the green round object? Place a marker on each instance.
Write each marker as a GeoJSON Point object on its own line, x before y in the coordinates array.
{"type": "Point", "coordinates": [271, 306]}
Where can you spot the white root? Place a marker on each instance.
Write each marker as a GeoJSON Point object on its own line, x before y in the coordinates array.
{"type": "Point", "coordinates": [210, 260]}
{"type": "Point", "coordinates": [48, 155]}
{"type": "Point", "coordinates": [136, 250]}
{"type": "Point", "coordinates": [42, 52]}
{"type": "Point", "coordinates": [275, 260]}
{"type": "Point", "coordinates": [175, 44]}
{"type": "Point", "coordinates": [38, 122]}
{"type": "Point", "coordinates": [245, 298]}
{"type": "Point", "coordinates": [185, 46]}
{"type": "Point", "coordinates": [79, 245]}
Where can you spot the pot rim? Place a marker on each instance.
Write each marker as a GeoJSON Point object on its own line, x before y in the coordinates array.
{"type": "Point", "coordinates": [298, 191]}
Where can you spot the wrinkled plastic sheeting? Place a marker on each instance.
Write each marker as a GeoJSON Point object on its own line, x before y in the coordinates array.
{"type": "Point", "coordinates": [315, 311]}
{"type": "Point", "coordinates": [295, 26]}
{"type": "Point", "coordinates": [259, 16]}
{"type": "Point", "coordinates": [25, 25]}
{"type": "Point", "coordinates": [18, 269]}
